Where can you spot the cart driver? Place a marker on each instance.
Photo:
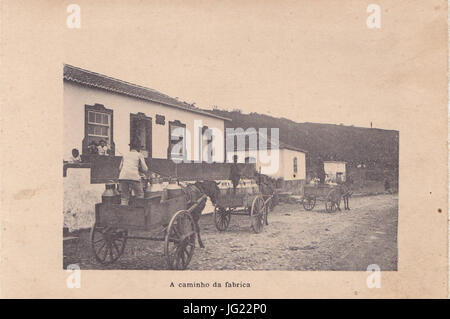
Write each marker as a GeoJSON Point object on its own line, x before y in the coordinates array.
{"type": "Point", "coordinates": [235, 174]}
{"type": "Point", "coordinates": [133, 162]}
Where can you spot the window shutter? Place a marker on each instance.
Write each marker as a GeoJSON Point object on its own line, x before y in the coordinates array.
{"type": "Point", "coordinates": [133, 127]}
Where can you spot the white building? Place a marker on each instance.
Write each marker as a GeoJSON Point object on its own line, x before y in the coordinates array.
{"type": "Point", "coordinates": [275, 159]}
{"type": "Point", "coordinates": [98, 107]}
{"type": "Point", "coordinates": [335, 171]}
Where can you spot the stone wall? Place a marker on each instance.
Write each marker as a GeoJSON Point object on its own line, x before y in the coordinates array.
{"type": "Point", "coordinates": [80, 197]}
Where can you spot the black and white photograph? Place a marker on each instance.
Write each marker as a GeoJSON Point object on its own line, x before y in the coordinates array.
{"type": "Point", "coordinates": [155, 182]}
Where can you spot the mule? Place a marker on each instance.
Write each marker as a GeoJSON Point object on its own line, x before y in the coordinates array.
{"type": "Point", "coordinates": [342, 191]}
{"type": "Point", "coordinates": [193, 192]}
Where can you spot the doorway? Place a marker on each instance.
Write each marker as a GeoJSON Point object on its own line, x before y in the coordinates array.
{"type": "Point", "coordinates": [141, 130]}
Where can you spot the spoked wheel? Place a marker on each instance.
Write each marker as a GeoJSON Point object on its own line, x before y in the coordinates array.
{"type": "Point", "coordinates": [179, 243]}
{"type": "Point", "coordinates": [257, 214]}
{"type": "Point", "coordinates": [222, 218]}
{"type": "Point", "coordinates": [309, 202]}
{"type": "Point", "coordinates": [108, 243]}
{"type": "Point", "coordinates": [269, 206]}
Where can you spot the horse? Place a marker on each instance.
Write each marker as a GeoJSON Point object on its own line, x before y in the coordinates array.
{"type": "Point", "coordinates": [193, 192]}
{"type": "Point", "coordinates": [343, 190]}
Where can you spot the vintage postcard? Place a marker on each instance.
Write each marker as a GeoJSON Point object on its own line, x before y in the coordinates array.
{"type": "Point", "coordinates": [217, 149]}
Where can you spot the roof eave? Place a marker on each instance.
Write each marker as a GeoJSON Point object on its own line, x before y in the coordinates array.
{"type": "Point", "coordinates": [144, 98]}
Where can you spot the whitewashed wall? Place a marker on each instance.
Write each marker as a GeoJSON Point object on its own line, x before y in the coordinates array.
{"type": "Point", "coordinates": [263, 158]}
{"type": "Point", "coordinates": [80, 197]}
{"type": "Point", "coordinates": [77, 96]}
{"type": "Point", "coordinates": [331, 168]}
{"type": "Point", "coordinates": [285, 165]}
{"type": "Point", "coordinates": [287, 157]}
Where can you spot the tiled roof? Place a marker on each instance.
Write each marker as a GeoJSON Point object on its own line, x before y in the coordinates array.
{"type": "Point", "coordinates": [292, 148]}
{"type": "Point", "coordinates": [92, 79]}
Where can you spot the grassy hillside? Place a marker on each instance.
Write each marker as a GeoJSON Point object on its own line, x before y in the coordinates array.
{"type": "Point", "coordinates": [374, 147]}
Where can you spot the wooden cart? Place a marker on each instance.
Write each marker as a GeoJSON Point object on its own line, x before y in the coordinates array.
{"type": "Point", "coordinates": [166, 220]}
{"type": "Point", "coordinates": [247, 201]}
{"type": "Point", "coordinates": [329, 194]}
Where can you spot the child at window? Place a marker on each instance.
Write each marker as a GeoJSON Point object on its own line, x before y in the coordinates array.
{"type": "Point", "coordinates": [133, 162]}
{"type": "Point", "coordinates": [93, 148]}
{"type": "Point", "coordinates": [103, 148]}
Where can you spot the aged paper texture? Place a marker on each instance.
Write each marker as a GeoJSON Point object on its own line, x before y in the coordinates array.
{"type": "Point", "coordinates": [86, 75]}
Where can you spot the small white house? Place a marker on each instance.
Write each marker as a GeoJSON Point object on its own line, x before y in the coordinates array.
{"type": "Point", "coordinates": [274, 159]}
{"type": "Point", "coordinates": [335, 171]}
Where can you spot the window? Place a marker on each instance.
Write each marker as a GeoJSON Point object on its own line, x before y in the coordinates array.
{"type": "Point", "coordinates": [295, 165]}
{"type": "Point", "coordinates": [177, 141]}
{"type": "Point", "coordinates": [205, 144]}
{"type": "Point", "coordinates": [340, 178]}
{"type": "Point", "coordinates": [98, 127]}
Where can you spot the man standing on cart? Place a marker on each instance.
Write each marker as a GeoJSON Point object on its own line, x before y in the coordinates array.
{"type": "Point", "coordinates": [133, 162]}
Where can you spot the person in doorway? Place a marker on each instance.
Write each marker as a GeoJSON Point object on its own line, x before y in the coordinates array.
{"type": "Point", "coordinates": [133, 162]}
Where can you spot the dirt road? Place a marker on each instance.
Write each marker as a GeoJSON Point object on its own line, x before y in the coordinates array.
{"type": "Point", "coordinates": [294, 240]}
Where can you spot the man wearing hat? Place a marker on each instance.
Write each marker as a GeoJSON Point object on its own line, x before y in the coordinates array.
{"type": "Point", "coordinates": [132, 163]}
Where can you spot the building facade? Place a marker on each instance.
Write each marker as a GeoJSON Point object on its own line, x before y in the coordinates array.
{"type": "Point", "coordinates": [100, 108]}
{"type": "Point", "coordinates": [272, 158]}
{"type": "Point", "coordinates": [335, 171]}
{"type": "Point", "coordinates": [97, 107]}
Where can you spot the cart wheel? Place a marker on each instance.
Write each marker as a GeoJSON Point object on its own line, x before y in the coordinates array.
{"type": "Point", "coordinates": [179, 243]}
{"type": "Point", "coordinates": [267, 208]}
{"type": "Point", "coordinates": [107, 243]}
{"type": "Point", "coordinates": [309, 202]}
{"type": "Point", "coordinates": [257, 214]}
{"type": "Point", "coordinates": [222, 218]}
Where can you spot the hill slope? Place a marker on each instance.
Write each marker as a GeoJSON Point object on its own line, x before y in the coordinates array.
{"type": "Point", "coordinates": [374, 147]}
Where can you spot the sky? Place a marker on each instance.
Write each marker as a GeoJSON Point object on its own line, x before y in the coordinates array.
{"type": "Point", "coordinates": [306, 61]}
